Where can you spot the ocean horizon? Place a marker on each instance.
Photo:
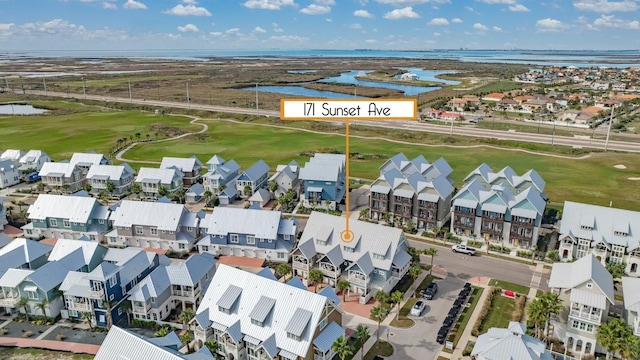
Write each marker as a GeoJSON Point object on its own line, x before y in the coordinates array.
{"type": "Point", "coordinates": [578, 58]}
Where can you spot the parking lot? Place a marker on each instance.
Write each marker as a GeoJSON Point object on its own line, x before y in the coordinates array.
{"type": "Point", "coordinates": [419, 342]}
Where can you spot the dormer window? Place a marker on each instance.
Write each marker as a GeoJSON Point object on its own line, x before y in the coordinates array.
{"type": "Point", "coordinates": [257, 323]}
{"type": "Point", "coordinates": [293, 336]}
{"type": "Point", "coordinates": [586, 227]}
{"type": "Point", "coordinates": [224, 310]}
{"type": "Point", "coordinates": [589, 285]}
{"type": "Point", "coordinates": [348, 249]}
{"type": "Point", "coordinates": [378, 256]}
{"type": "Point", "coordinates": [620, 233]}
{"type": "Point", "coordinates": [321, 242]}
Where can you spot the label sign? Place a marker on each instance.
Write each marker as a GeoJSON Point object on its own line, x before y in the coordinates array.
{"type": "Point", "coordinates": [352, 109]}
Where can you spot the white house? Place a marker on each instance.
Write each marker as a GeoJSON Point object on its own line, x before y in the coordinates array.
{"type": "Point", "coordinates": [9, 173]}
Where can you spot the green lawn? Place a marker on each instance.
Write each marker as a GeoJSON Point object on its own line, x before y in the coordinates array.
{"type": "Point", "coordinates": [505, 285]}
{"type": "Point", "coordinates": [404, 321]}
{"type": "Point", "coordinates": [500, 313]}
{"type": "Point", "coordinates": [381, 348]}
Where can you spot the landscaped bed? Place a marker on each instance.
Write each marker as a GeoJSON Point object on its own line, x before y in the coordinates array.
{"type": "Point", "coordinates": [465, 315]}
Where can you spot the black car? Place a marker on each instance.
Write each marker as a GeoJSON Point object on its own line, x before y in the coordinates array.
{"type": "Point", "coordinates": [431, 291]}
{"type": "Point", "coordinates": [448, 321]}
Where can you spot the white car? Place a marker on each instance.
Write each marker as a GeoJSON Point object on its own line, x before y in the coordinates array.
{"type": "Point", "coordinates": [418, 308]}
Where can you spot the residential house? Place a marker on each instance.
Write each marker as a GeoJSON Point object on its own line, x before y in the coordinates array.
{"type": "Point", "coordinates": [9, 173]}
{"type": "Point", "coordinates": [120, 176]}
{"type": "Point", "coordinates": [251, 233]}
{"type": "Point", "coordinates": [33, 159]}
{"type": "Point", "coordinates": [156, 225]}
{"type": "Point", "coordinates": [260, 198]}
{"type": "Point", "coordinates": [376, 259]}
{"type": "Point", "coordinates": [287, 178]}
{"type": "Point", "coordinates": [252, 179]}
{"type": "Point", "coordinates": [497, 215]}
{"type": "Point", "coordinates": [457, 104]}
{"type": "Point", "coordinates": [62, 176]}
{"type": "Point", "coordinates": [631, 297]}
{"type": "Point", "coordinates": [254, 317]}
{"type": "Point", "coordinates": [22, 253]}
{"type": "Point", "coordinates": [178, 286]}
{"type": "Point", "coordinates": [3, 215]}
{"type": "Point", "coordinates": [221, 175]}
{"type": "Point", "coordinates": [412, 191]}
{"type": "Point", "coordinates": [104, 290]}
{"type": "Point", "coordinates": [195, 194]}
{"type": "Point", "coordinates": [12, 154]}
{"type": "Point", "coordinates": [611, 234]}
{"type": "Point", "coordinates": [512, 343]}
{"type": "Point", "coordinates": [84, 161]}
{"type": "Point", "coordinates": [586, 290]}
{"type": "Point", "coordinates": [324, 179]}
{"type": "Point", "coordinates": [190, 167]}
{"type": "Point", "coordinates": [509, 178]}
{"type": "Point", "coordinates": [67, 216]}
{"type": "Point", "coordinates": [124, 344]}
{"type": "Point", "coordinates": [156, 183]}
{"type": "Point", "coordinates": [495, 97]}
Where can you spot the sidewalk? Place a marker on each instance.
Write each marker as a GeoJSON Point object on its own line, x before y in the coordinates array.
{"type": "Point", "coordinates": [76, 348]}
{"type": "Point", "coordinates": [407, 295]}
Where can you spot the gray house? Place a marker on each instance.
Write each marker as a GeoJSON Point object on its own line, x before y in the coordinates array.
{"type": "Point", "coordinates": [84, 161]}
{"type": "Point", "coordinates": [287, 178]}
{"type": "Point", "coordinates": [252, 179]}
{"type": "Point", "coordinates": [221, 174]}
{"type": "Point", "coordinates": [153, 180]}
{"type": "Point", "coordinates": [62, 176]}
{"type": "Point", "coordinates": [121, 176]}
{"type": "Point", "coordinates": [190, 167]}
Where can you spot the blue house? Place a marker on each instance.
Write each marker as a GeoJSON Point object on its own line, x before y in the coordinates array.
{"type": "Point", "coordinates": [252, 233]}
{"type": "Point", "coordinates": [252, 179]}
{"type": "Point", "coordinates": [324, 178]}
{"type": "Point", "coordinates": [220, 174]}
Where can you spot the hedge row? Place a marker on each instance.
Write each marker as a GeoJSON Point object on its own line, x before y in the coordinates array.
{"type": "Point", "coordinates": [475, 331]}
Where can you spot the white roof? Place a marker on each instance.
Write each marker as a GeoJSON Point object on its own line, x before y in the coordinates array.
{"type": "Point", "coordinates": [13, 277]}
{"type": "Point", "coordinates": [164, 176]}
{"type": "Point", "coordinates": [121, 344]}
{"type": "Point", "coordinates": [571, 275]}
{"type": "Point", "coordinates": [75, 208]}
{"type": "Point", "coordinates": [588, 298]}
{"type": "Point", "coordinates": [284, 316]}
{"type": "Point", "coordinates": [369, 238]}
{"type": "Point", "coordinates": [631, 293]}
{"type": "Point", "coordinates": [323, 167]}
{"type": "Point", "coordinates": [510, 344]}
{"type": "Point", "coordinates": [613, 226]}
{"type": "Point", "coordinates": [87, 158]}
{"type": "Point", "coordinates": [64, 247]}
{"type": "Point", "coordinates": [165, 216]}
{"type": "Point", "coordinates": [110, 172]}
{"type": "Point", "coordinates": [263, 224]}
{"type": "Point", "coordinates": [33, 155]}
{"type": "Point", "coordinates": [184, 164]}
{"type": "Point", "coordinates": [12, 154]}
{"type": "Point", "coordinates": [57, 168]}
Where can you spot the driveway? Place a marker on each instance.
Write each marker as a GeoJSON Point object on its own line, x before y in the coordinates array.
{"type": "Point", "coordinates": [419, 342]}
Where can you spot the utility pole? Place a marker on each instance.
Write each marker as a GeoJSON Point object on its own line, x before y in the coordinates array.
{"type": "Point", "coordinates": [84, 90]}
{"type": "Point", "coordinates": [188, 99]}
{"type": "Point", "coordinates": [130, 96]}
{"type": "Point", "coordinates": [6, 83]}
{"type": "Point", "coordinates": [606, 143]}
{"type": "Point", "coordinates": [451, 126]}
{"type": "Point", "coordinates": [257, 107]}
{"type": "Point", "coordinates": [44, 83]}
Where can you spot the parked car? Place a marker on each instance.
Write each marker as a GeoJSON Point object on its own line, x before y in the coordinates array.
{"type": "Point", "coordinates": [431, 291]}
{"type": "Point", "coordinates": [418, 308]}
{"type": "Point", "coordinates": [463, 249]}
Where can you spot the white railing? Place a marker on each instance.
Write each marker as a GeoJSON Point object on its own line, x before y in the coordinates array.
{"type": "Point", "coordinates": [585, 316]}
{"type": "Point", "coordinates": [300, 265]}
{"type": "Point", "coordinates": [80, 306]}
{"type": "Point", "coordinates": [96, 294]}
{"type": "Point", "coordinates": [9, 302]}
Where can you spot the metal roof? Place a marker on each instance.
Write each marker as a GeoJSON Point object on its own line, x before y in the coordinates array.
{"type": "Point", "coordinates": [511, 344]}
{"type": "Point", "coordinates": [162, 176]}
{"type": "Point", "coordinates": [75, 283]}
{"type": "Point", "coordinates": [262, 308]}
{"type": "Point", "coordinates": [56, 169]}
{"type": "Point", "coordinates": [571, 275]}
{"type": "Point", "coordinates": [161, 215]}
{"type": "Point", "coordinates": [401, 259]}
{"type": "Point", "coordinates": [631, 293]}
{"type": "Point", "coordinates": [123, 344]}
{"type": "Point", "coordinates": [12, 154]}
{"type": "Point", "coordinates": [328, 336]}
{"type": "Point", "coordinates": [323, 167]}
{"type": "Point", "coordinates": [88, 158]}
{"type": "Point", "coordinates": [263, 224]}
{"type": "Point", "coordinates": [255, 171]}
{"type": "Point", "coordinates": [307, 249]}
{"type": "Point", "coordinates": [49, 275]}
{"type": "Point", "coordinates": [589, 298]}
{"type": "Point", "coordinates": [191, 271]}
{"type": "Point", "coordinates": [364, 263]}
{"type": "Point", "coordinates": [380, 189]}
{"type": "Point", "coordinates": [251, 340]}
{"type": "Point", "coordinates": [13, 277]}
{"type": "Point", "coordinates": [111, 172]}
{"type": "Point", "coordinates": [229, 297]}
{"type": "Point", "coordinates": [315, 189]}
{"type": "Point", "coordinates": [64, 247]}
{"type": "Point", "coordinates": [330, 294]}
{"type": "Point", "coordinates": [269, 345]}
{"type": "Point", "coordinates": [335, 256]}
{"type": "Point", "coordinates": [297, 283]}
{"type": "Point", "coordinates": [76, 209]}
{"type": "Point", "coordinates": [23, 251]}
{"type": "Point", "coordinates": [184, 164]}
{"type": "Point", "coordinates": [299, 321]}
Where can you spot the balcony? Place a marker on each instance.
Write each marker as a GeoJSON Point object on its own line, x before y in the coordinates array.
{"type": "Point", "coordinates": [328, 270]}
{"type": "Point", "coordinates": [96, 294]}
{"type": "Point", "coordinates": [359, 280]}
{"type": "Point", "coordinates": [183, 293]}
{"type": "Point", "coordinates": [585, 316]}
{"type": "Point", "coordinates": [300, 265]}
{"type": "Point", "coordinates": [79, 306]}
{"type": "Point", "coordinates": [9, 301]}
{"type": "Point", "coordinates": [141, 309]}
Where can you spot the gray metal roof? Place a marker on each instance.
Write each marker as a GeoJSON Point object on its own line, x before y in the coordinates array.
{"type": "Point", "coordinates": [64, 247]}
{"type": "Point", "coordinates": [109, 172]}
{"type": "Point", "coordinates": [307, 249]}
{"type": "Point", "coordinates": [266, 273]}
{"type": "Point", "coordinates": [75, 284]}
{"type": "Point", "coordinates": [589, 298]}
{"type": "Point", "coordinates": [49, 275]}
{"type": "Point", "coordinates": [263, 224]}
{"type": "Point", "coordinates": [262, 308]}
{"type": "Point", "coordinates": [364, 263]}
{"type": "Point", "coordinates": [23, 251]}
{"type": "Point", "coordinates": [299, 321]}
{"type": "Point", "coordinates": [103, 272]}
{"type": "Point", "coordinates": [328, 336]}
{"type": "Point", "coordinates": [571, 275]}
{"type": "Point", "coordinates": [74, 208]}
{"type": "Point", "coordinates": [191, 271]}
{"type": "Point", "coordinates": [631, 293]}
{"type": "Point", "coordinates": [169, 340]}
{"type": "Point", "coordinates": [330, 293]}
{"type": "Point", "coordinates": [256, 170]}
{"type": "Point", "coordinates": [123, 344]}
{"type": "Point", "coordinates": [269, 345]}
{"type": "Point", "coordinates": [401, 259]}
{"type": "Point", "coordinates": [162, 176]}
{"type": "Point", "coordinates": [335, 256]}
{"type": "Point", "coordinates": [297, 283]}
{"type": "Point", "coordinates": [196, 189]}
{"type": "Point", "coordinates": [509, 344]}
{"type": "Point", "coordinates": [151, 286]}
{"type": "Point", "coordinates": [229, 297]}
{"type": "Point", "coordinates": [161, 215]}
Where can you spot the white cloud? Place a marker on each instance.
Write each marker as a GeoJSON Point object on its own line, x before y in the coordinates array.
{"type": "Point", "coordinates": [109, 5]}
{"type": "Point", "coordinates": [6, 27]}
{"type": "Point", "coordinates": [456, 21]}
{"type": "Point", "coordinates": [611, 21]}
{"type": "Point", "coordinates": [314, 9]}
{"type": "Point", "coordinates": [506, 2]}
{"type": "Point", "coordinates": [438, 21]}
{"type": "Point", "coordinates": [404, 13]}
{"type": "Point", "coordinates": [355, 26]}
{"type": "Point", "coordinates": [518, 8]}
{"type": "Point", "coordinates": [550, 25]}
{"type": "Point", "coordinates": [605, 6]}
{"type": "Point", "coordinates": [259, 30]}
{"type": "Point", "coordinates": [436, 34]}
{"type": "Point", "coordinates": [371, 41]}
{"type": "Point", "coordinates": [288, 38]}
{"type": "Point", "coordinates": [188, 28]}
{"type": "Point", "coordinates": [497, 29]}
{"type": "Point", "coordinates": [133, 4]}
{"type": "Point", "coordinates": [468, 8]}
{"type": "Point", "coordinates": [215, 33]}
{"type": "Point", "coordinates": [328, 20]}
{"type": "Point", "coordinates": [276, 28]}
{"type": "Point", "coordinates": [232, 31]}
{"type": "Point", "coordinates": [190, 9]}
{"type": "Point", "coordinates": [268, 4]}
{"type": "Point", "coordinates": [409, 2]}
{"type": "Point", "coordinates": [325, 2]}
{"type": "Point", "coordinates": [480, 27]}
{"type": "Point", "coordinates": [363, 14]}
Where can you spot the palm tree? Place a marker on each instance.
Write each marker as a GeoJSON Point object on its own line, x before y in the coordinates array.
{"type": "Point", "coordinates": [316, 276]}
{"type": "Point", "coordinates": [431, 252]}
{"type": "Point", "coordinates": [9, 211]}
{"type": "Point", "coordinates": [553, 306]}
{"type": "Point", "coordinates": [536, 314]}
{"type": "Point", "coordinates": [186, 316]}
{"type": "Point", "coordinates": [343, 286]}
{"type": "Point", "coordinates": [186, 338]}
{"type": "Point", "coordinates": [362, 333]}
{"type": "Point", "coordinates": [396, 298]}
{"type": "Point", "coordinates": [24, 304]}
{"type": "Point", "coordinates": [414, 272]}
{"type": "Point", "coordinates": [207, 197]}
{"type": "Point", "coordinates": [24, 215]}
{"type": "Point", "coordinates": [162, 332]}
{"type": "Point", "coordinates": [126, 308]}
{"type": "Point", "coordinates": [630, 349]}
{"type": "Point", "coordinates": [213, 346]}
{"type": "Point", "coordinates": [609, 335]}
{"type": "Point", "coordinates": [42, 305]}
{"type": "Point", "coordinates": [283, 270]}
{"type": "Point", "coordinates": [108, 304]}
{"type": "Point", "coordinates": [162, 191]}
{"type": "Point", "coordinates": [87, 187]}
{"type": "Point", "coordinates": [382, 297]}
{"type": "Point", "coordinates": [110, 187]}
{"type": "Point", "coordinates": [272, 186]}
{"type": "Point", "coordinates": [87, 317]}
{"type": "Point", "coordinates": [342, 348]}
{"type": "Point", "coordinates": [378, 313]}
{"type": "Point", "coordinates": [415, 254]}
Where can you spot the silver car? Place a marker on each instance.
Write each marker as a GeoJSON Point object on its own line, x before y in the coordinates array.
{"type": "Point", "coordinates": [418, 308]}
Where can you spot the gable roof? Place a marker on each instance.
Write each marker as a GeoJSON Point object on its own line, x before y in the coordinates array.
{"type": "Point", "coordinates": [163, 176]}
{"type": "Point", "coordinates": [510, 344]}
{"type": "Point", "coordinates": [261, 195]}
{"type": "Point", "coordinates": [12, 154]}
{"type": "Point", "coordinates": [123, 344]}
{"type": "Point", "coordinates": [76, 209]}
{"type": "Point", "coordinates": [571, 275]}
{"type": "Point", "coordinates": [184, 164]}
{"type": "Point", "coordinates": [109, 172]}
{"type": "Point", "coordinates": [88, 159]}
{"type": "Point", "coordinates": [255, 171]}
{"type": "Point", "coordinates": [323, 167]}
{"type": "Point", "coordinates": [631, 293]}
{"type": "Point", "coordinates": [57, 169]}
{"type": "Point", "coordinates": [263, 224]}
{"type": "Point", "coordinates": [161, 215]}
{"type": "Point", "coordinates": [64, 247]}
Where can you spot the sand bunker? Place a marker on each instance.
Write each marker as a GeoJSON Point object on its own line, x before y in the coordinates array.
{"type": "Point", "coordinates": [619, 166]}
{"type": "Point", "coordinates": [634, 178]}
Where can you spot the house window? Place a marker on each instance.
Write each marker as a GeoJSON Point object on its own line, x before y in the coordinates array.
{"type": "Point", "coordinates": [321, 242]}
{"type": "Point", "coordinates": [256, 322]}
{"type": "Point", "coordinates": [617, 254]}
{"type": "Point", "coordinates": [66, 223]}
{"type": "Point", "coordinates": [348, 249]}
{"type": "Point", "coordinates": [619, 233]}
{"type": "Point", "coordinates": [233, 238]}
{"type": "Point", "coordinates": [323, 323]}
{"type": "Point", "coordinates": [112, 239]}
{"type": "Point", "coordinates": [251, 240]}
{"type": "Point", "coordinates": [589, 285]}
{"type": "Point", "coordinates": [154, 231]}
{"type": "Point", "coordinates": [583, 248]}
{"type": "Point", "coordinates": [119, 311]}
{"type": "Point", "coordinates": [205, 248]}
{"type": "Point", "coordinates": [181, 246]}
{"type": "Point", "coordinates": [53, 222]}
{"type": "Point", "coordinates": [112, 281]}
{"type": "Point", "coordinates": [33, 295]}
{"type": "Point", "coordinates": [189, 228]}
{"type": "Point", "coordinates": [111, 297]}
{"type": "Point", "coordinates": [293, 336]}
{"type": "Point", "coordinates": [138, 230]}
{"type": "Point", "coordinates": [100, 221]}
{"type": "Point", "coordinates": [286, 236]}
{"type": "Point", "coordinates": [29, 232]}
{"type": "Point", "coordinates": [281, 255]}
{"type": "Point", "coordinates": [153, 300]}
{"type": "Point", "coordinates": [378, 256]}
{"type": "Point", "coordinates": [270, 240]}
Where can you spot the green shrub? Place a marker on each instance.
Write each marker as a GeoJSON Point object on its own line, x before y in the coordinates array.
{"type": "Point", "coordinates": [524, 254]}
{"type": "Point", "coordinates": [474, 243]}
{"type": "Point", "coordinates": [475, 331]}
{"type": "Point", "coordinates": [519, 310]}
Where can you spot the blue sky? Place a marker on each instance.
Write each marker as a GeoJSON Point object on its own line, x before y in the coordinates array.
{"type": "Point", "coordinates": [319, 24]}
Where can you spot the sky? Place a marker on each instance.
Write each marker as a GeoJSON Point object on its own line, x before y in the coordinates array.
{"type": "Point", "coordinates": [319, 24]}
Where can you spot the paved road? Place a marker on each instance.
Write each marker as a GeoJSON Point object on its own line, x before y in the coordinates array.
{"type": "Point", "coordinates": [408, 125]}
{"type": "Point", "coordinates": [465, 267]}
